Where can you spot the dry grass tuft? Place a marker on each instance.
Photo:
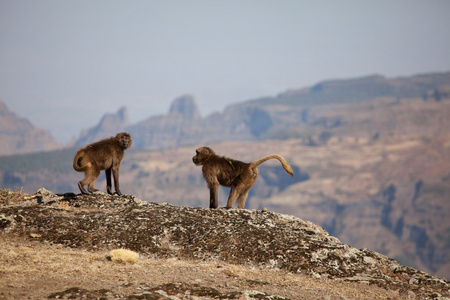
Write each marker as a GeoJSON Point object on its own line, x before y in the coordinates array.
{"type": "Point", "coordinates": [123, 256]}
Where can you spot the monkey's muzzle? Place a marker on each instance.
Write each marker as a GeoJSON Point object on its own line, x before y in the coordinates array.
{"type": "Point", "coordinates": [195, 161]}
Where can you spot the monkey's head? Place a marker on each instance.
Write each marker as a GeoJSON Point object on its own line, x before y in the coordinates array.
{"type": "Point", "coordinates": [124, 140]}
{"type": "Point", "coordinates": [203, 153]}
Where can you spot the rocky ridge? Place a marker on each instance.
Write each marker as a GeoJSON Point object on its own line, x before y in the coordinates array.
{"type": "Point", "coordinates": [256, 238]}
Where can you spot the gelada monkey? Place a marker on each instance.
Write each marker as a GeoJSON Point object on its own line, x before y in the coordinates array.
{"type": "Point", "coordinates": [102, 155]}
{"type": "Point", "coordinates": [240, 176]}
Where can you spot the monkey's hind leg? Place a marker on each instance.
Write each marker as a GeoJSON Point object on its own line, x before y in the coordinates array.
{"type": "Point", "coordinates": [242, 198]}
{"type": "Point", "coordinates": [232, 197]}
{"type": "Point", "coordinates": [91, 187]}
{"type": "Point", "coordinates": [81, 187]}
{"type": "Point", "coordinates": [91, 175]}
{"type": "Point", "coordinates": [244, 192]}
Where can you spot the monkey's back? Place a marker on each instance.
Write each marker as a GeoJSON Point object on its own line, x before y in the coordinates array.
{"type": "Point", "coordinates": [105, 153]}
{"type": "Point", "coordinates": [227, 171]}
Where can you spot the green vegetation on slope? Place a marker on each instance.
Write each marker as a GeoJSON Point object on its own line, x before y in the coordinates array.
{"type": "Point", "coordinates": [57, 161]}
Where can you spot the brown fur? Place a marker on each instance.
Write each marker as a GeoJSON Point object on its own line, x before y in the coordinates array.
{"type": "Point", "coordinates": [240, 176]}
{"type": "Point", "coordinates": [102, 155]}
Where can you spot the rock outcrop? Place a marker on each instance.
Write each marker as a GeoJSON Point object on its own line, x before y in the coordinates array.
{"type": "Point", "coordinates": [272, 240]}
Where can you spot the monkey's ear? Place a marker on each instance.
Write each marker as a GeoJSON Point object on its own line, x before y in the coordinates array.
{"type": "Point", "coordinates": [207, 151]}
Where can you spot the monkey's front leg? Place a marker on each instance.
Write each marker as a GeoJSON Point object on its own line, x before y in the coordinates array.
{"type": "Point", "coordinates": [108, 181]}
{"type": "Point", "coordinates": [115, 171]}
{"type": "Point", "coordinates": [214, 196]}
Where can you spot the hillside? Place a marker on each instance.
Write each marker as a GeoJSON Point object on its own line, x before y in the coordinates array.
{"type": "Point", "coordinates": [185, 253]}
{"type": "Point", "coordinates": [18, 135]}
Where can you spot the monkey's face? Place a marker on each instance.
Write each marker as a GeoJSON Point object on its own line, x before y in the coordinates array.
{"type": "Point", "coordinates": [202, 154]}
{"type": "Point", "coordinates": [125, 140]}
{"type": "Point", "coordinates": [196, 159]}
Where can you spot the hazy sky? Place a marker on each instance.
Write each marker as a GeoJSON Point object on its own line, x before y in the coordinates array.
{"type": "Point", "coordinates": [64, 64]}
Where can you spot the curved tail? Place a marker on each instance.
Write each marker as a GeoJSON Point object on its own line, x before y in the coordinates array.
{"type": "Point", "coordinates": [78, 160]}
{"type": "Point", "coordinates": [283, 162]}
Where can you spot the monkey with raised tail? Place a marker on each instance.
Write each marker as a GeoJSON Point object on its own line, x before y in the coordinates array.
{"type": "Point", "coordinates": [239, 176]}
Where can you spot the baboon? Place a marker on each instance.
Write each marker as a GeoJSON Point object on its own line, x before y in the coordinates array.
{"type": "Point", "coordinates": [105, 155]}
{"type": "Point", "coordinates": [239, 176]}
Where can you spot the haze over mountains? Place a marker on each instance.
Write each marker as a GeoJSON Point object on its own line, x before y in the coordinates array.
{"type": "Point", "coordinates": [371, 158]}
{"type": "Point", "coordinates": [305, 113]}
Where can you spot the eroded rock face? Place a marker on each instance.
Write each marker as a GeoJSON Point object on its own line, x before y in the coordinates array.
{"type": "Point", "coordinates": [184, 107]}
{"type": "Point", "coordinates": [18, 135]}
{"type": "Point", "coordinates": [257, 238]}
{"type": "Point", "coordinates": [109, 125]}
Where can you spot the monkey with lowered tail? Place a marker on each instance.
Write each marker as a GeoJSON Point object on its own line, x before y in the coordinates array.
{"type": "Point", "coordinates": [102, 155]}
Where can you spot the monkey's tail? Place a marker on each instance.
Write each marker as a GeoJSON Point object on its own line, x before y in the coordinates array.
{"type": "Point", "coordinates": [283, 162]}
{"type": "Point", "coordinates": [77, 162]}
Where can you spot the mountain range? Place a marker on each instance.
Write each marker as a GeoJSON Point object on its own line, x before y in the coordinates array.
{"type": "Point", "coordinates": [309, 113]}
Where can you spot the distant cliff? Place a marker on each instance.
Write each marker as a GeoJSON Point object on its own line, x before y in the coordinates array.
{"type": "Point", "coordinates": [177, 127]}
{"type": "Point", "coordinates": [18, 135]}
